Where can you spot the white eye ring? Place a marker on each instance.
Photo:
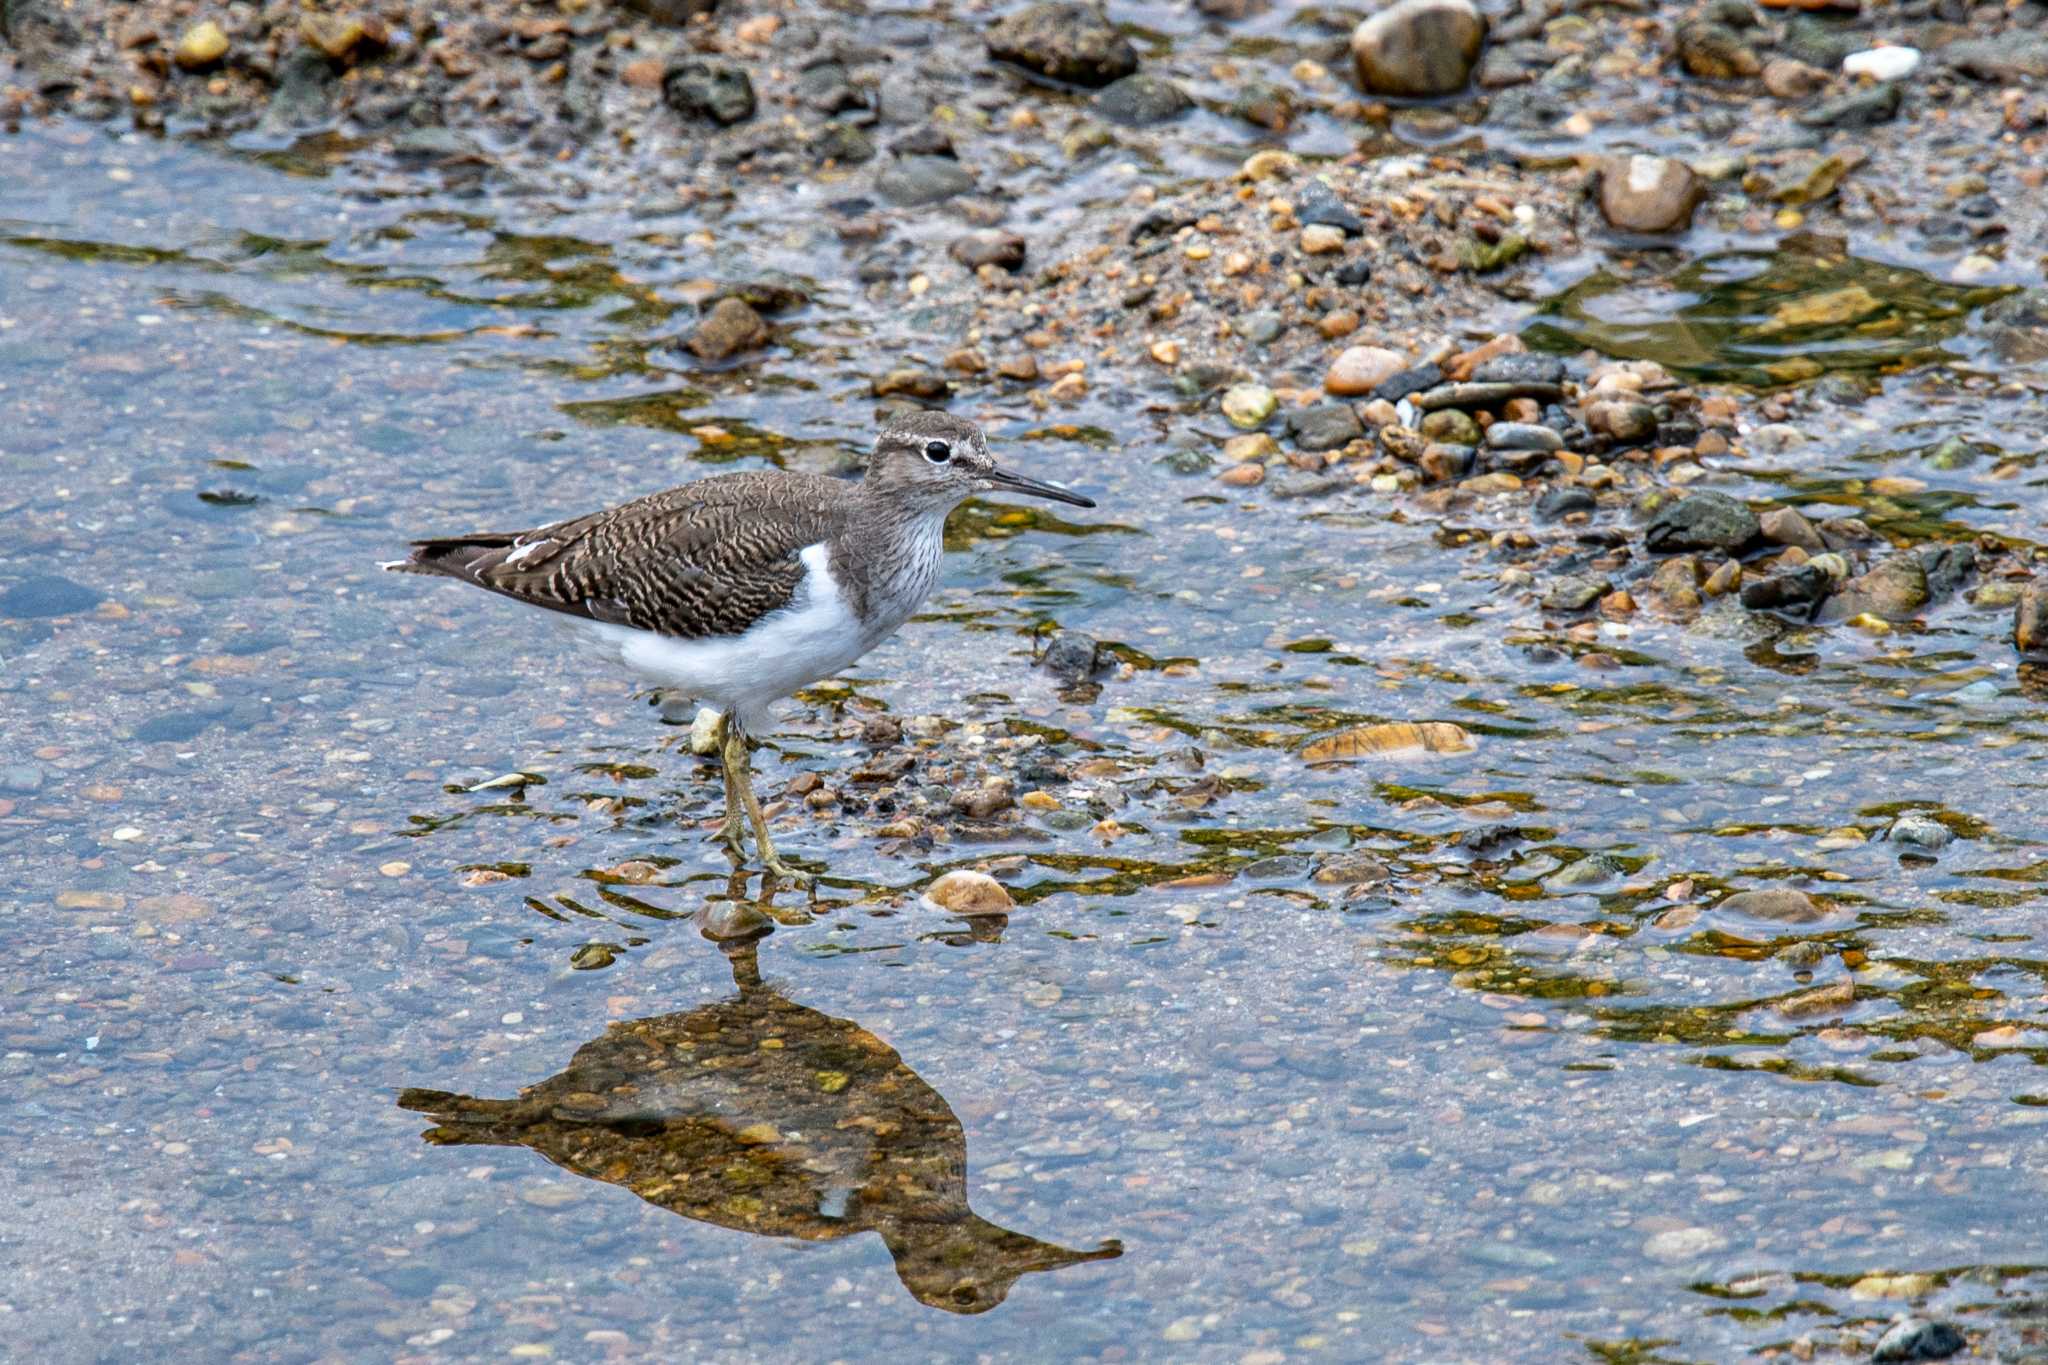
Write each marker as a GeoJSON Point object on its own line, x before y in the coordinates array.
{"type": "Point", "coordinates": [938, 452]}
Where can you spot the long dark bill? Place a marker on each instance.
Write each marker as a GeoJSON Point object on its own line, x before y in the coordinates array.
{"type": "Point", "coordinates": [1017, 483]}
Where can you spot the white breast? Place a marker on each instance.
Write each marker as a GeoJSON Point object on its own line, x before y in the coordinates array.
{"type": "Point", "coordinates": [813, 637]}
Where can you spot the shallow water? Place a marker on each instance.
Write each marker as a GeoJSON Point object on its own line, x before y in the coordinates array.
{"type": "Point", "coordinates": [1412, 1060]}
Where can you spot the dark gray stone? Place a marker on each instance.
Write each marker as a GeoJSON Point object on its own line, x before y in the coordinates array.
{"type": "Point", "coordinates": [1701, 521]}
{"type": "Point", "coordinates": [175, 727]}
{"type": "Point", "coordinates": [1417, 380]}
{"type": "Point", "coordinates": [1473, 396]}
{"type": "Point", "coordinates": [1064, 42]}
{"type": "Point", "coordinates": [914, 181]}
{"type": "Point", "coordinates": [1794, 592]}
{"type": "Point", "coordinates": [1141, 100]}
{"type": "Point", "coordinates": [1316, 202]}
{"type": "Point", "coordinates": [1948, 568]}
{"type": "Point", "coordinates": [46, 595]}
{"type": "Point", "coordinates": [1522, 436]}
{"type": "Point", "coordinates": [1858, 108]}
{"type": "Point", "coordinates": [1559, 503]}
{"type": "Point", "coordinates": [699, 87]}
{"type": "Point", "coordinates": [1071, 656]}
{"type": "Point", "coordinates": [1523, 367]}
{"type": "Point", "coordinates": [1326, 426]}
{"type": "Point", "coordinates": [20, 778]}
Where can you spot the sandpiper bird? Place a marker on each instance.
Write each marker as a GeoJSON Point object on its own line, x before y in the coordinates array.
{"type": "Point", "coordinates": [739, 589]}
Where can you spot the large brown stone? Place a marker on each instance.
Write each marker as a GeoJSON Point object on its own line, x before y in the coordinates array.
{"type": "Point", "coordinates": [1418, 48]}
{"type": "Point", "coordinates": [1648, 193]}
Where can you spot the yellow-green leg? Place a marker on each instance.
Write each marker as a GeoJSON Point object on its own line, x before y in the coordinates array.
{"type": "Point", "coordinates": [733, 831]}
{"type": "Point", "coordinates": [739, 777]}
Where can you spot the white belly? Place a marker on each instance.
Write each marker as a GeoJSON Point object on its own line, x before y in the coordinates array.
{"type": "Point", "coordinates": [813, 637]}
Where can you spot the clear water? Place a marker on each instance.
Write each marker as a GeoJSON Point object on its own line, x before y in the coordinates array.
{"type": "Point", "coordinates": [270, 922]}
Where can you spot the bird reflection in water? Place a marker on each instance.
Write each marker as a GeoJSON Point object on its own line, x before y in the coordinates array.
{"type": "Point", "coordinates": [759, 1114]}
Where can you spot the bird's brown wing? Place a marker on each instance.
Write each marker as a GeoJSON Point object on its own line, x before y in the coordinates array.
{"type": "Point", "coordinates": [701, 561]}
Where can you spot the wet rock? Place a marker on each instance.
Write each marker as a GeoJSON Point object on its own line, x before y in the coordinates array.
{"type": "Point", "coordinates": [1488, 250]}
{"type": "Point", "coordinates": [1441, 463]}
{"type": "Point", "coordinates": [1715, 52]}
{"type": "Point", "coordinates": [1949, 568]}
{"type": "Point", "coordinates": [923, 385]}
{"type": "Point", "coordinates": [304, 97]}
{"type": "Point", "coordinates": [914, 181]}
{"type": "Point", "coordinates": [1701, 521]}
{"type": "Point", "coordinates": [201, 47]}
{"type": "Point", "coordinates": [1351, 869]}
{"type": "Point", "coordinates": [668, 11]}
{"type": "Point", "coordinates": [2030, 622]}
{"type": "Point", "coordinates": [731, 327]}
{"type": "Point", "coordinates": [699, 87]}
{"type": "Point", "coordinates": [1419, 379]}
{"type": "Point", "coordinates": [1418, 47]}
{"type": "Point", "coordinates": [1626, 420]}
{"type": "Point", "coordinates": [1895, 590]}
{"type": "Point", "coordinates": [970, 893]}
{"type": "Point", "coordinates": [1359, 370]}
{"type": "Point", "coordinates": [1316, 204]}
{"type": "Point", "coordinates": [1535, 375]}
{"type": "Point", "coordinates": [176, 727]}
{"type": "Point", "coordinates": [1857, 109]}
{"type": "Point", "coordinates": [1066, 42]}
{"type": "Point", "coordinates": [1920, 832]}
{"type": "Point", "coordinates": [1522, 436]}
{"type": "Point", "coordinates": [1142, 100]}
{"type": "Point", "coordinates": [1327, 426]}
{"type": "Point", "coordinates": [1353, 273]}
{"type": "Point", "coordinates": [926, 139]}
{"type": "Point", "coordinates": [1676, 583]}
{"type": "Point", "coordinates": [1649, 193]}
{"type": "Point", "coordinates": [823, 86]}
{"type": "Point", "coordinates": [2017, 327]}
{"type": "Point", "coordinates": [1451, 427]}
{"type": "Point", "coordinates": [1560, 503]}
{"type": "Point", "coordinates": [1789, 526]}
{"type": "Point", "coordinates": [1071, 657]}
{"type": "Point", "coordinates": [1778, 904]}
{"type": "Point", "coordinates": [1788, 78]}
{"type": "Point", "coordinates": [731, 921]}
{"type": "Point", "coordinates": [20, 779]}
{"type": "Point", "coordinates": [1910, 1338]}
{"type": "Point", "coordinates": [989, 246]}
{"type": "Point", "coordinates": [342, 38]}
{"type": "Point", "coordinates": [842, 143]}
{"type": "Point", "coordinates": [1805, 179]}
{"type": "Point", "coordinates": [1475, 395]}
{"type": "Point", "coordinates": [1575, 592]}
{"type": "Point", "coordinates": [1249, 405]}
{"type": "Point", "coordinates": [1795, 591]}
{"type": "Point", "coordinates": [2010, 60]}
{"type": "Point", "coordinates": [46, 595]}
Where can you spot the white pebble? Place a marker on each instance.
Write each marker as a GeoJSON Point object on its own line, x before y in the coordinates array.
{"type": "Point", "coordinates": [1882, 63]}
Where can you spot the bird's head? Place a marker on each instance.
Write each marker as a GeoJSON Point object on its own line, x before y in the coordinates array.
{"type": "Point", "coordinates": [934, 459]}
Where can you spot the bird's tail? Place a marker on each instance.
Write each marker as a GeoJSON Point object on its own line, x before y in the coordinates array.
{"type": "Point", "coordinates": [448, 556]}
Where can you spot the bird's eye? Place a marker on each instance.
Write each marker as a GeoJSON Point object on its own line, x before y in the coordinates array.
{"type": "Point", "coordinates": [938, 452]}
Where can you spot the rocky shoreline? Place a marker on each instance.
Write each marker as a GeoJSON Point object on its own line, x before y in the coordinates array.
{"type": "Point", "coordinates": [1342, 319]}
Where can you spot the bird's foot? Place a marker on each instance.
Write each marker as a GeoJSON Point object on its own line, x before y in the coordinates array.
{"type": "Point", "coordinates": [795, 876]}
{"type": "Point", "coordinates": [733, 834]}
